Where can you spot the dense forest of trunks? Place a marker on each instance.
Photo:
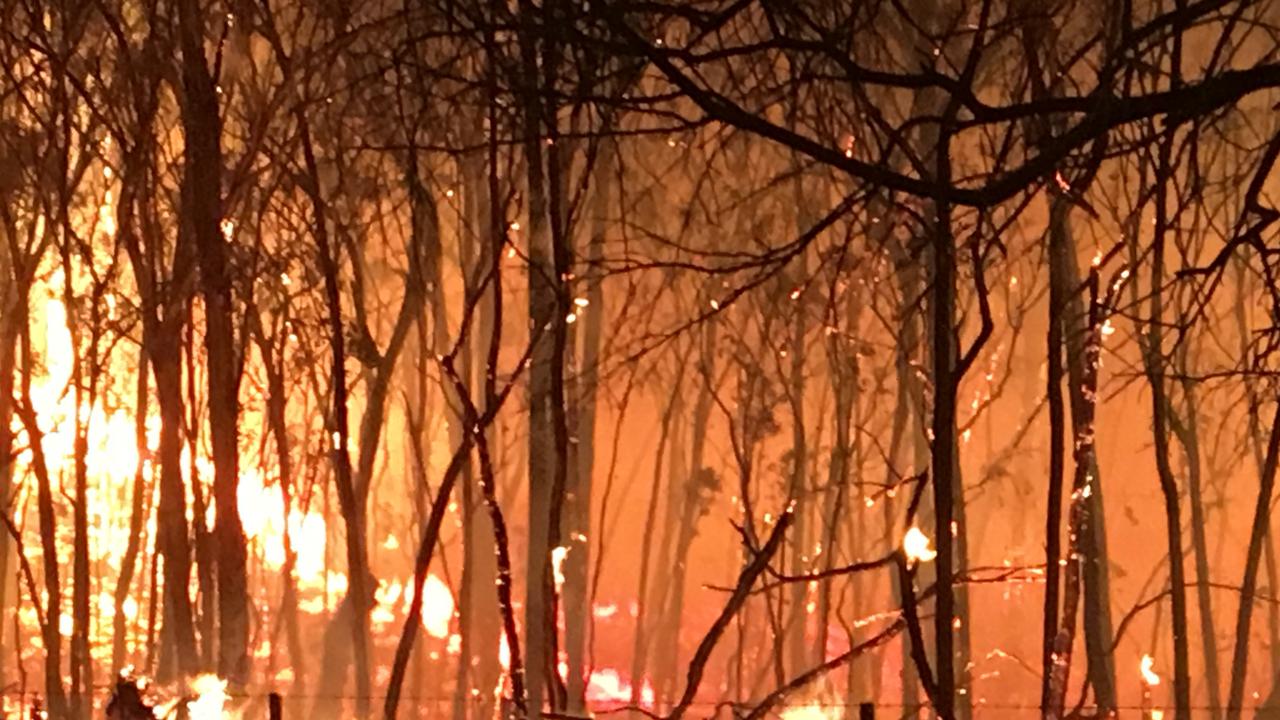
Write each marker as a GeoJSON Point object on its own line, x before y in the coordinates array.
{"type": "Point", "coordinates": [744, 358]}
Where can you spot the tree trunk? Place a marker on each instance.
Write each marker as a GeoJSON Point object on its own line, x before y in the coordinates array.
{"type": "Point", "coordinates": [640, 641]}
{"type": "Point", "coordinates": [10, 306]}
{"type": "Point", "coordinates": [943, 457]}
{"type": "Point", "coordinates": [427, 542]}
{"type": "Point", "coordinates": [798, 619]}
{"type": "Point", "coordinates": [663, 630]}
{"type": "Point", "coordinates": [81, 663]}
{"type": "Point", "coordinates": [424, 236]}
{"type": "Point", "coordinates": [1188, 434]}
{"type": "Point", "coordinates": [1249, 583]}
{"type": "Point", "coordinates": [202, 201]}
{"type": "Point", "coordinates": [842, 366]}
{"type": "Point", "coordinates": [686, 479]}
{"type": "Point", "coordinates": [909, 418]}
{"type": "Point", "coordinates": [1083, 455]}
{"type": "Point", "coordinates": [206, 610]}
{"type": "Point", "coordinates": [697, 493]}
{"type": "Point", "coordinates": [55, 692]}
{"type": "Point", "coordinates": [479, 670]}
{"type": "Point", "coordinates": [543, 446]}
{"type": "Point", "coordinates": [277, 405]}
{"type": "Point", "coordinates": [1058, 291]}
{"type": "Point", "coordinates": [353, 612]}
{"type": "Point", "coordinates": [1258, 448]}
{"type": "Point", "coordinates": [577, 610]}
{"type": "Point", "coordinates": [1155, 367]}
{"type": "Point", "coordinates": [137, 518]}
{"type": "Point", "coordinates": [173, 541]}
{"type": "Point", "coordinates": [1065, 273]}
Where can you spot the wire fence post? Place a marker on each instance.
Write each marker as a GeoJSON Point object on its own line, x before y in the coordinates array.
{"type": "Point", "coordinates": [275, 709]}
{"type": "Point", "coordinates": [866, 711]}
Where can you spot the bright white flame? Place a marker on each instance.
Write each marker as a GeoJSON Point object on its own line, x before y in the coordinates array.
{"type": "Point", "coordinates": [210, 696]}
{"type": "Point", "coordinates": [811, 711]}
{"type": "Point", "coordinates": [557, 564]}
{"type": "Point", "coordinates": [917, 546]}
{"type": "Point", "coordinates": [607, 686]}
{"type": "Point", "coordinates": [437, 607]}
{"type": "Point", "coordinates": [1149, 676]}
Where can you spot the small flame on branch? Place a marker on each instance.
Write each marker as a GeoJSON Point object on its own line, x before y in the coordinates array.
{"type": "Point", "coordinates": [917, 546]}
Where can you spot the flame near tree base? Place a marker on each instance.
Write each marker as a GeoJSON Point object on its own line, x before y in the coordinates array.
{"type": "Point", "coordinates": [134, 698]}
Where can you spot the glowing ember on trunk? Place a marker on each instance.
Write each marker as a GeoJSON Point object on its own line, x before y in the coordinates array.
{"type": "Point", "coordinates": [557, 565]}
{"type": "Point", "coordinates": [917, 546]}
{"type": "Point", "coordinates": [1149, 676]}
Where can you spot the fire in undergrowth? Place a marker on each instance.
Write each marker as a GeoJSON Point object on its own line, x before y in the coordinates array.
{"type": "Point", "coordinates": [210, 698]}
{"type": "Point", "coordinates": [820, 703]}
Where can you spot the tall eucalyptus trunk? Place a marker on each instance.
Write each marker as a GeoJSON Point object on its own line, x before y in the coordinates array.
{"type": "Point", "coordinates": [203, 213]}
{"type": "Point", "coordinates": [577, 612]}
{"type": "Point", "coordinates": [478, 668]}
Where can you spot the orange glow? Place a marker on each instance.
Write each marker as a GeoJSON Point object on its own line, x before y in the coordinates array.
{"type": "Point", "coordinates": [608, 687]}
{"type": "Point", "coordinates": [811, 711]}
{"type": "Point", "coordinates": [744, 400]}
